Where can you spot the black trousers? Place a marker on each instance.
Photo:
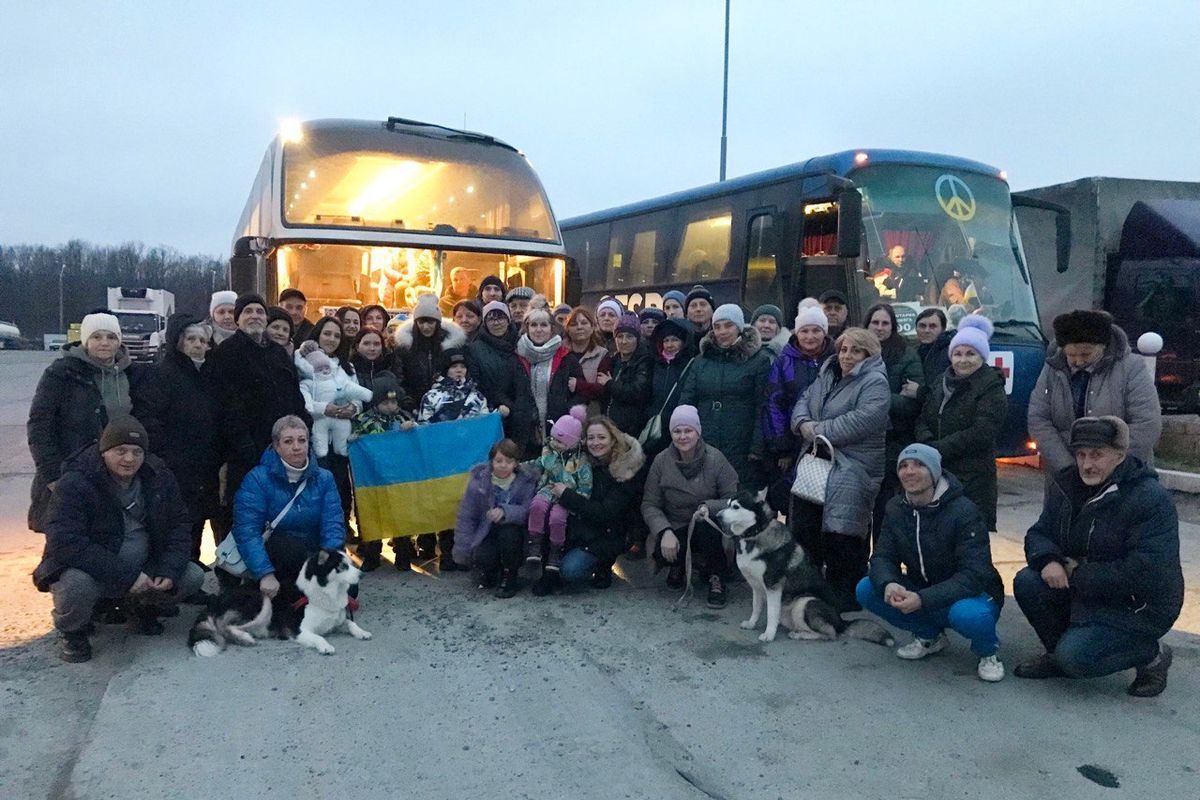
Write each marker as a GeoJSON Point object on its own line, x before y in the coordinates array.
{"type": "Point", "coordinates": [708, 550]}
{"type": "Point", "coordinates": [842, 558]}
{"type": "Point", "coordinates": [287, 555]}
{"type": "Point", "coordinates": [500, 549]}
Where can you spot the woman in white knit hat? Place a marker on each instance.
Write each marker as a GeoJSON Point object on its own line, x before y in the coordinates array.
{"type": "Point", "coordinates": [76, 397]}
{"type": "Point", "coordinates": [221, 317]}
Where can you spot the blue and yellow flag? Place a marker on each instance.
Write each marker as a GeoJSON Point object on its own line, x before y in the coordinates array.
{"type": "Point", "coordinates": [410, 482]}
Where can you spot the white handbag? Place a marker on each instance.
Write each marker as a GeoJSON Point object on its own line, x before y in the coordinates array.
{"type": "Point", "coordinates": [229, 558]}
{"type": "Point", "coordinates": [812, 474]}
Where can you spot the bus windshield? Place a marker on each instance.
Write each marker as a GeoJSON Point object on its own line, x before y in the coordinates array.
{"type": "Point", "coordinates": [946, 238]}
{"type": "Point", "coordinates": [376, 179]}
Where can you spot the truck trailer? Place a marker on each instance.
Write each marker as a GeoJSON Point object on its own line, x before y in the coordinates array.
{"type": "Point", "coordinates": [1135, 252]}
{"type": "Point", "coordinates": [143, 316]}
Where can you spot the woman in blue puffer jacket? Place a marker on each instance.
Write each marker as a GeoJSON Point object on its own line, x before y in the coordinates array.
{"type": "Point", "coordinates": [313, 522]}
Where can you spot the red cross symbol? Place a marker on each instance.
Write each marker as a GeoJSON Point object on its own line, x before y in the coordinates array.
{"type": "Point", "coordinates": [999, 364]}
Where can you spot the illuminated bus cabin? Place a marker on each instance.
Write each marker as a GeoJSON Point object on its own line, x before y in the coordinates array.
{"type": "Point", "coordinates": [356, 212]}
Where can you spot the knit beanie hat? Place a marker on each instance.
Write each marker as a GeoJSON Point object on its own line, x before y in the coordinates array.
{"type": "Point", "coordinates": [677, 296]}
{"type": "Point", "coordinates": [1100, 432]}
{"type": "Point", "coordinates": [455, 355]}
{"type": "Point", "coordinates": [698, 292]}
{"type": "Point", "coordinates": [930, 458]}
{"type": "Point", "coordinates": [768, 310]}
{"type": "Point", "coordinates": [519, 293]}
{"type": "Point", "coordinates": [568, 429]}
{"type": "Point", "coordinates": [628, 323]}
{"type": "Point", "coordinates": [974, 330]}
{"type": "Point", "coordinates": [246, 300]}
{"type": "Point", "coordinates": [496, 307]}
{"type": "Point", "coordinates": [277, 314]}
{"type": "Point", "coordinates": [124, 430]}
{"type": "Point", "coordinates": [611, 305]}
{"type": "Point", "coordinates": [426, 307]}
{"type": "Point", "coordinates": [562, 308]}
{"type": "Point", "coordinates": [318, 359]}
{"type": "Point", "coordinates": [730, 312]}
{"type": "Point", "coordinates": [98, 322]}
{"type": "Point", "coordinates": [809, 312]}
{"type": "Point", "coordinates": [222, 298]}
{"type": "Point", "coordinates": [471, 305]}
{"type": "Point", "coordinates": [686, 417]}
{"type": "Point", "coordinates": [834, 296]}
{"type": "Point", "coordinates": [656, 314]}
{"type": "Point", "coordinates": [492, 280]}
{"type": "Point", "coordinates": [386, 387]}
{"type": "Point", "coordinates": [292, 292]}
{"type": "Point", "coordinates": [1083, 327]}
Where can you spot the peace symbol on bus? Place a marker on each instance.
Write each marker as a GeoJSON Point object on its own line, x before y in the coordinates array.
{"type": "Point", "coordinates": [955, 198]}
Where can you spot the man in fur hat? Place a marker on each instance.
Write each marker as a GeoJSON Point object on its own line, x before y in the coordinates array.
{"type": "Point", "coordinates": [1104, 582]}
{"type": "Point", "coordinates": [1091, 372]}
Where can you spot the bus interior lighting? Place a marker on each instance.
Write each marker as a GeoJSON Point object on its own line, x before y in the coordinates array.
{"type": "Point", "coordinates": [818, 208]}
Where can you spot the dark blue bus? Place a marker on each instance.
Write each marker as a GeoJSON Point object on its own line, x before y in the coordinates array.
{"type": "Point", "coordinates": [908, 228]}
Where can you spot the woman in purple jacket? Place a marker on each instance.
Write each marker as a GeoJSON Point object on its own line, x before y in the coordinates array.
{"type": "Point", "coordinates": [797, 366]}
{"type": "Point", "coordinates": [490, 529]}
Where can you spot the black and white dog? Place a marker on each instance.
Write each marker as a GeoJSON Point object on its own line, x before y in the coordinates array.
{"type": "Point", "coordinates": [325, 579]}
{"type": "Point", "coordinates": [784, 578]}
{"type": "Point", "coordinates": [242, 615]}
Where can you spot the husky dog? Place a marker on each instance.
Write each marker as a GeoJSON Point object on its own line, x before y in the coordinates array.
{"type": "Point", "coordinates": [784, 578]}
{"type": "Point", "coordinates": [325, 579]}
{"type": "Point", "coordinates": [239, 615]}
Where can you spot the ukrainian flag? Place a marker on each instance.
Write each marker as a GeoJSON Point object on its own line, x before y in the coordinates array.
{"type": "Point", "coordinates": [410, 482]}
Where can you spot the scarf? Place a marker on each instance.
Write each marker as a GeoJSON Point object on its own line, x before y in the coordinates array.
{"type": "Point", "coordinates": [690, 469]}
{"type": "Point", "coordinates": [590, 361]}
{"type": "Point", "coordinates": [539, 357]}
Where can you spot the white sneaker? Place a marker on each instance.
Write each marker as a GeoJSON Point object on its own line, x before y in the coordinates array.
{"type": "Point", "coordinates": [991, 669]}
{"type": "Point", "coordinates": [919, 648]}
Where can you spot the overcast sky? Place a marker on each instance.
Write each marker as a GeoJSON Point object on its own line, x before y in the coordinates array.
{"type": "Point", "coordinates": [147, 121]}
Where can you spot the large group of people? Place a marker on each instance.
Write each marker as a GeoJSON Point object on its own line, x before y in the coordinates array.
{"type": "Point", "coordinates": [624, 433]}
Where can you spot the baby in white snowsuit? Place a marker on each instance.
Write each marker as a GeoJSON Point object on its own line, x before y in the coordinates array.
{"type": "Point", "coordinates": [324, 383]}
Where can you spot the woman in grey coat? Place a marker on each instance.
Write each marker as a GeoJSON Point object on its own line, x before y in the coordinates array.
{"type": "Point", "coordinates": [1091, 372]}
{"type": "Point", "coordinates": [848, 404]}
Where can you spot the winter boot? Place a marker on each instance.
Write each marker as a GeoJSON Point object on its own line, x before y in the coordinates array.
{"type": "Point", "coordinates": [554, 561]}
{"type": "Point", "coordinates": [549, 583]}
{"type": "Point", "coordinates": [446, 562]}
{"type": "Point", "coordinates": [488, 579]}
{"type": "Point", "coordinates": [145, 622]}
{"type": "Point", "coordinates": [74, 647]}
{"type": "Point", "coordinates": [1151, 680]}
{"type": "Point", "coordinates": [533, 549]}
{"type": "Point", "coordinates": [508, 584]}
{"type": "Point", "coordinates": [602, 578]}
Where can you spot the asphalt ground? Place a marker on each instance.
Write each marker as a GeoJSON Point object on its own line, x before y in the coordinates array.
{"type": "Point", "coordinates": [594, 694]}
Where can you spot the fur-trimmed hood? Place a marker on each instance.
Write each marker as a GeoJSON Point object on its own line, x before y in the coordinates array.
{"type": "Point", "coordinates": [742, 350]}
{"type": "Point", "coordinates": [625, 466]}
{"type": "Point", "coordinates": [778, 342]}
{"type": "Point", "coordinates": [451, 334]}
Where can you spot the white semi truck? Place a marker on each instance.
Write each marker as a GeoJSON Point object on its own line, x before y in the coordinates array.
{"type": "Point", "coordinates": [143, 315]}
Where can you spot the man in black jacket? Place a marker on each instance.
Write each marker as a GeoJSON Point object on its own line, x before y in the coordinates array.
{"type": "Point", "coordinates": [256, 384]}
{"type": "Point", "coordinates": [932, 566]}
{"type": "Point", "coordinates": [116, 527]}
{"type": "Point", "coordinates": [1104, 582]}
{"type": "Point", "coordinates": [295, 304]}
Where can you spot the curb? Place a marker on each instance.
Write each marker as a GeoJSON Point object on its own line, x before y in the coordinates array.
{"type": "Point", "coordinates": [1176, 481]}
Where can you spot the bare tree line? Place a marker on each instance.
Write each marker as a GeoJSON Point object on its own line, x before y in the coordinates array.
{"type": "Point", "coordinates": [29, 280]}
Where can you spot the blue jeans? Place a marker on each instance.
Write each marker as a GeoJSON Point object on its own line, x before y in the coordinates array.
{"type": "Point", "coordinates": [1083, 650]}
{"type": "Point", "coordinates": [973, 618]}
{"type": "Point", "coordinates": [578, 565]}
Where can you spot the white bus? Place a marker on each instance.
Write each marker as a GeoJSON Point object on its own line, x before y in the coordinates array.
{"type": "Point", "coordinates": [355, 212]}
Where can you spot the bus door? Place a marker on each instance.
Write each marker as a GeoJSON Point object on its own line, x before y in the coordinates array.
{"type": "Point", "coordinates": [767, 278]}
{"type": "Point", "coordinates": [819, 268]}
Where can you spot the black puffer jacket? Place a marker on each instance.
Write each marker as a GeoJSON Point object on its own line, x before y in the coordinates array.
{"type": "Point", "coordinates": [85, 525]}
{"type": "Point", "coordinates": [177, 402]}
{"type": "Point", "coordinates": [493, 364]}
{"type": "Point", "coordinates": [366, 371]}
{"type": "Point", "coordinates": [598, 523]}
{"type": "Point", "coordinates": [256, 384]}
{"type": "Point", "coordinates": [629, 392]}
{"type": "Point", "coordinates": [665, 375]}
{"type": "Point", "coordinates": [421, 360]}
{"type": "Point", "coordinates": [963, 428]}
{"type": "Point", "coordinates": [66, 415]}
{"type": "Point", "coordinates": [1126, 540]}
{"type": "Point", "coordinates": [943, 548]}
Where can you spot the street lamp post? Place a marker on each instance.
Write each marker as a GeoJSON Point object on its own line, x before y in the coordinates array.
{"type": "Point", "coordinates": [61, 319]}
{"type": "Point", "coordinates": [725, 94]}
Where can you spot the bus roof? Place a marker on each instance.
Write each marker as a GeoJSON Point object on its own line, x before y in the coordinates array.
{"type": "Point", "coordinates": [841, 164]}
{"type": "Point", "coordinates": [411, 127]}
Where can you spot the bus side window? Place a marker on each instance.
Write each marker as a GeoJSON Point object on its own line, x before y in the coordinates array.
{"type": "Point", "coordinates": [763, 282]}
{"type": "Point", "coordinates": [704, 252]}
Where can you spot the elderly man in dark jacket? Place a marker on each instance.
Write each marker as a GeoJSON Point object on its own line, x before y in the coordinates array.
{"type": "Point", "coordinates": [256, 384]}
{"type": "Point", "coordinates": [116, 526]}
{"type": "Point", "coordinates": [1104, 581]}
{"type": "Point", "coordinates": [177, 403]}
{"type": "Point", "coordinates": [932, 566]}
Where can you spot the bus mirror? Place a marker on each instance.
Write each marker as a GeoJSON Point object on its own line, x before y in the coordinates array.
{"type": "Point", "coordinates": [1062, 230]}
{"type": "Point", "coordinates": [243, 274]}
{"type": "Point", "coordinates": [849, 225]}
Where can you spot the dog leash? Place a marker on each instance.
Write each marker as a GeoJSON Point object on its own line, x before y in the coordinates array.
{"type": "Point", "coordinates": [687, 561]}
